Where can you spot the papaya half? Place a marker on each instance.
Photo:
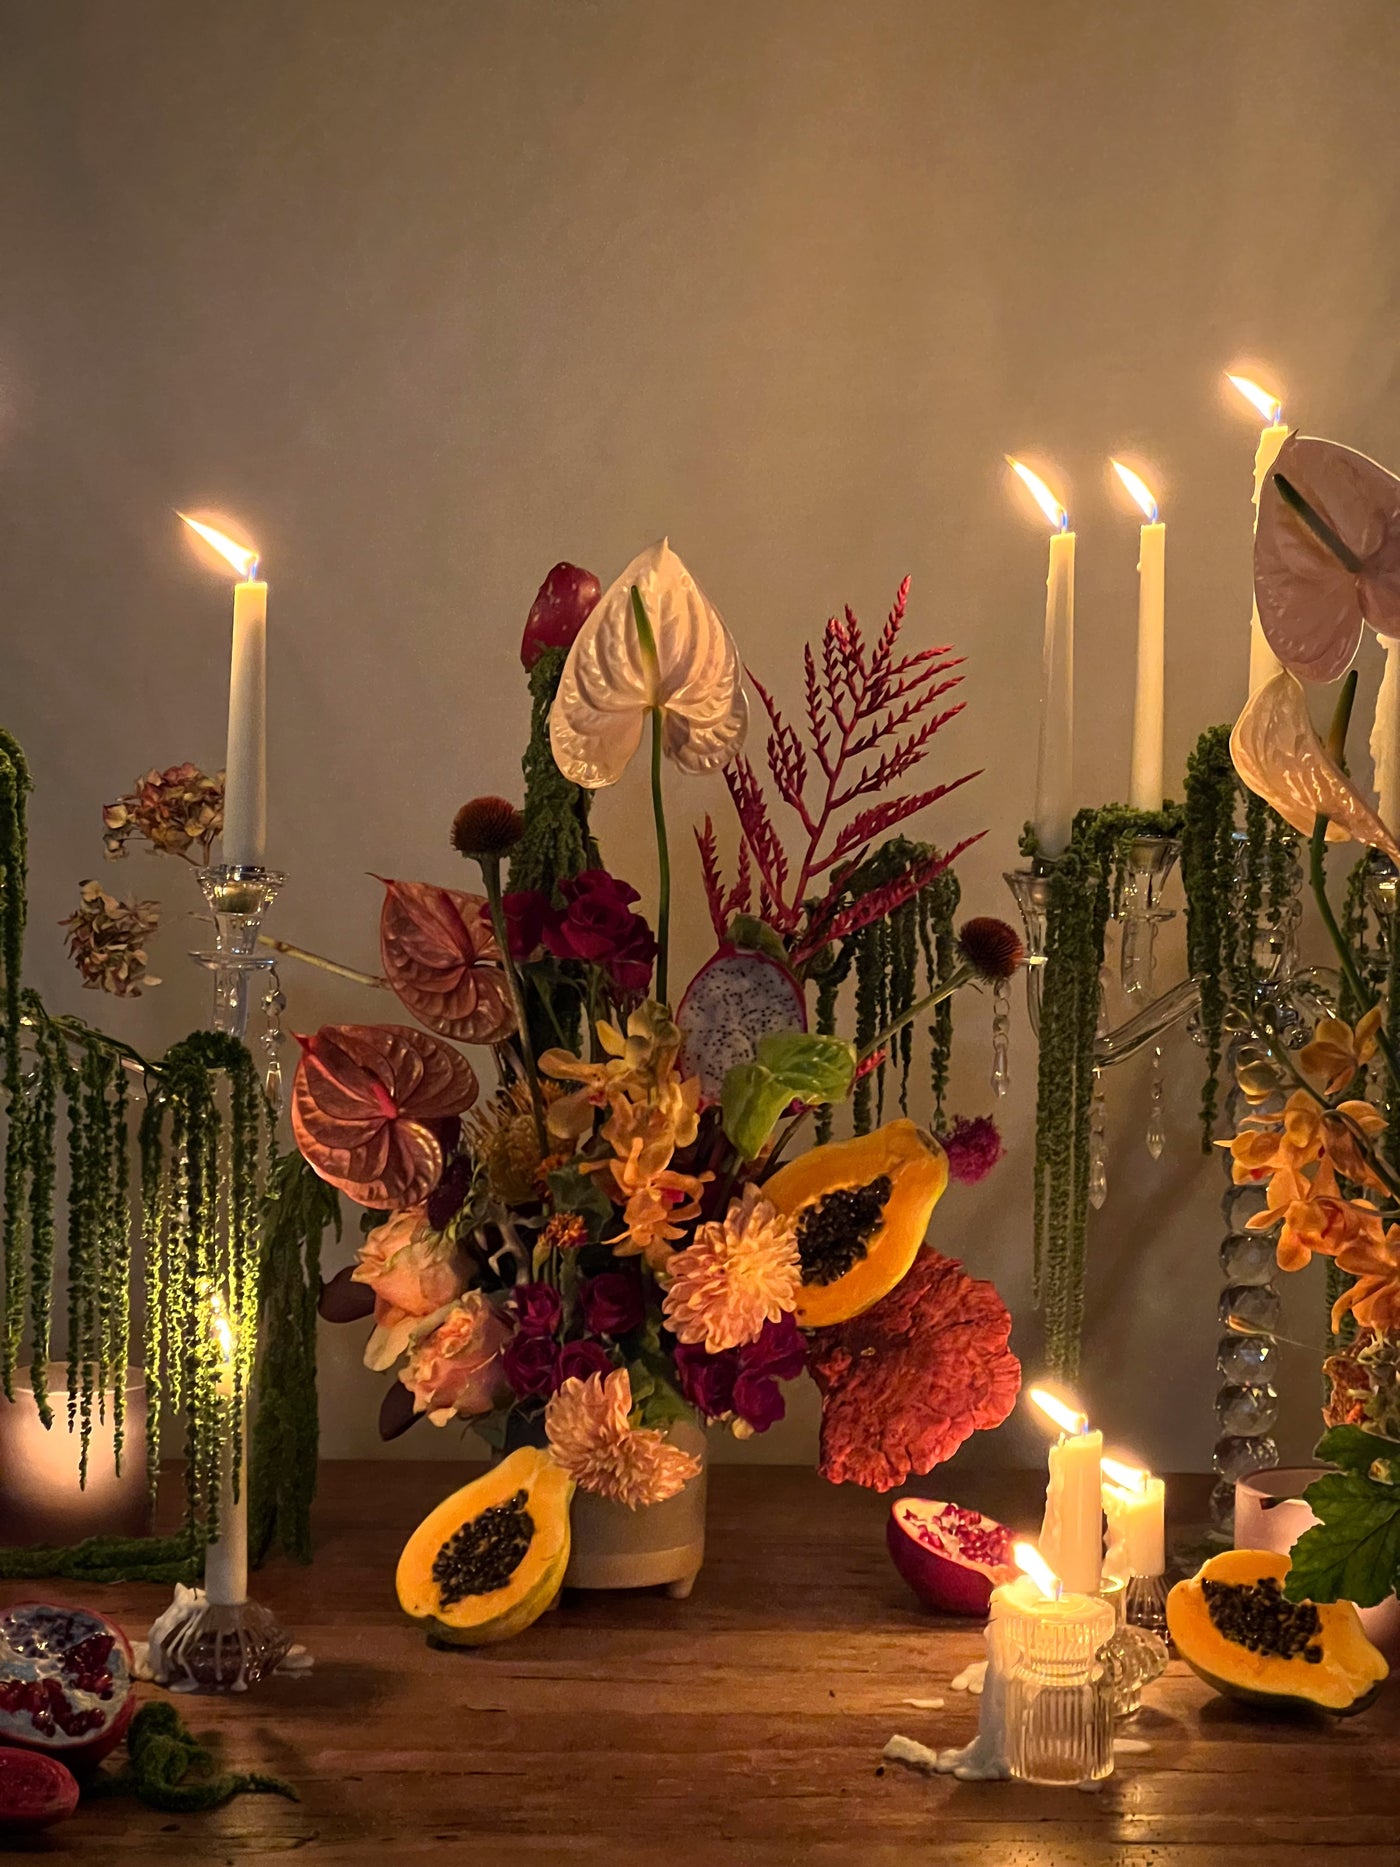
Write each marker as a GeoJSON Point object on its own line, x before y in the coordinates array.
{"type": "Point", "coordinates": [861, 1208]}
{"type": "Point", "coordinates": [491, 1558]}
{"type": "Point", "coordinates": [1236, 1629]}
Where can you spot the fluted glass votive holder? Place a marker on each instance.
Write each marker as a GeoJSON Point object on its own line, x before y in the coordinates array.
{"type": "Point", "coordinates": [1059, 1702]}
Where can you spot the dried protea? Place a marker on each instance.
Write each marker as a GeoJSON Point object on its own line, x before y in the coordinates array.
{"type": "Point", "coordinates": [487, 827]}
{"type": "Point", "coordinates": [107, 941]}
{"type": "Point", "coordinates": [993, 949]}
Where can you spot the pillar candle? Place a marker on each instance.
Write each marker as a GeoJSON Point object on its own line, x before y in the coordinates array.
{"type": "Point", "coordinates": [245, 779]}
{"type": "Point", "coordinates": [1071, 1537]}
{"type": "Point", "coordinates": [1136, 1536]}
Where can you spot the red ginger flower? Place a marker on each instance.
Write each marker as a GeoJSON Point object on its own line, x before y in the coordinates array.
{"type": "Point", "coordinates": [906, 1383]}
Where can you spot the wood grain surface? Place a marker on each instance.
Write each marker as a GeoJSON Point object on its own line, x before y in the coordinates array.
{"type": "Point", "coordinates": [743, 1726]}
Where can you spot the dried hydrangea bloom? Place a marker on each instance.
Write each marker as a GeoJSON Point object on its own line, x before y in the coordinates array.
{"type": "Point", "coordinates": [739, 1273]}
{"type": "Point", "coordinates": [592, 1437]}
{"type": "Point", "coordinates": [175, 810]}
{"type": "Point", "coordinates": [107, 941]}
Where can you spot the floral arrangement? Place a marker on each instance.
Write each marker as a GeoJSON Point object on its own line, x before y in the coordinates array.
{"type": "Point", "coordinates": [1324, 1132]}
{"type": "Point", "coordinates": [634, 1228]}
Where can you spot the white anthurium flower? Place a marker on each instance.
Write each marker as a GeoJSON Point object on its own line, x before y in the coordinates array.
{"type": "Point", "coordinates": [613, 680]}
{"type": "Point", "coordinates": [1277, 751]}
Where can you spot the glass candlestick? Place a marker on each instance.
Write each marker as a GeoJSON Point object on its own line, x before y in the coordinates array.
{"type": "Point", "coordinates": [214, 1639]}
{"type": "Point", "coordinates": [1149, 866]}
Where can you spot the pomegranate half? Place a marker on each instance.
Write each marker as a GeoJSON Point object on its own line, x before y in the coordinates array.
{"type": "Point", "coordinates": [952, 1558]}
{"type": "Point", "coordinates": [35, 1791]}
{"type": "Point", "coordinates": [66, 1685]}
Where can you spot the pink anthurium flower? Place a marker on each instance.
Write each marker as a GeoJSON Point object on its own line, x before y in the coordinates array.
{"type": "Point", "coordinates": [1318, 581]}
{"type": "Point", "coordinates": [1279, 755]}
{"type": "Point", "coordinates": [612, 681]}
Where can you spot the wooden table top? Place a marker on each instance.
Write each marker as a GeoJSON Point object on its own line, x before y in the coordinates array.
{"type": "Point", "coordinates": [741, 1728]}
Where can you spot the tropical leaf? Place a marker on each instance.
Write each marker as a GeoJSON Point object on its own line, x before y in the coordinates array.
{"type": "Point", "coordinates": [441, 958]}
{"type": "Point", "coordinates": [369, 1104]}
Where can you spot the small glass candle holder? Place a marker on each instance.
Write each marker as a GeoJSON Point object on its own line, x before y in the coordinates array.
{"type": "Point", "coordinates": [1133, 1656]}
{"type": "Point", "coordinates": [1059, 1706]}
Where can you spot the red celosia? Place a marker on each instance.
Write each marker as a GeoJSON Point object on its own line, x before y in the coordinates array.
{"type": "Point", "coordinates": [870, 720]}
{"type": "Point", "coordinates": [906, 1383]}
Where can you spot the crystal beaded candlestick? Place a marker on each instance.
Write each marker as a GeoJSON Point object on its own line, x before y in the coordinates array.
{"type": "Point", "coordinates": [214, 1638]}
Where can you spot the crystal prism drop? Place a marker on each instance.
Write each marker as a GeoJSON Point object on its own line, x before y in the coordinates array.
{"type": "Point", "coordinates": [1236, 1458]}
{"type": "Point", "coordinates": [1001, 1038]}
{"type": "Point", "coordinates": [1156, 1129]}
{"type": "Point", "coordinates": [1248, 1258]}
{"type": "Point", "coordinates": [1247, 1409]}
{"type": "Point", "coordinates": [1098, 1162]}
{"type": "Point", "coordinates": [1258, 1306]}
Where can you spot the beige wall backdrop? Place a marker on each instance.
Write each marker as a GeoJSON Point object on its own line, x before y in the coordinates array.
{"type": "Point", "coordinates": [430, 293]}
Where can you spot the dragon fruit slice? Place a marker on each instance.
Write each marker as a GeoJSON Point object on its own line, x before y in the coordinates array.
{"type": "Point", "coordinates": [736, 998]}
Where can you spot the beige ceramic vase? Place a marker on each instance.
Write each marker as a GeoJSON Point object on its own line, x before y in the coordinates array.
{"type": "Point", "coordinates": [660, 1545]}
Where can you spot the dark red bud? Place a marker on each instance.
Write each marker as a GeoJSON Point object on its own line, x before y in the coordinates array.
{"type": "Point", "coordinates": [563, 604]}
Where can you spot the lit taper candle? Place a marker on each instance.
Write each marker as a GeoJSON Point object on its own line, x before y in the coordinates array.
{"type": "Point", "coordinates": [1054, 787]}
{"type": "Point", "coordinates": [1149, 707]}
{"type": "Point", "coordinates": [1263, 662]}
{"type": "Point", "coordinates": [245, 767]}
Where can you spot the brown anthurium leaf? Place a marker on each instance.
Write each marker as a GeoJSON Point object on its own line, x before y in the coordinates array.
{"type": "Point", "coordinates": [441, 958]}
{"type": "Point", "coordinates": [368, 1106]}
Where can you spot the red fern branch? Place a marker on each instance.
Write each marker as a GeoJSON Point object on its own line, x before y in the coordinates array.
{"type": "Point", "coordinates": [709, 869]}
{"type": "Point", "coordinates": [871, 714]}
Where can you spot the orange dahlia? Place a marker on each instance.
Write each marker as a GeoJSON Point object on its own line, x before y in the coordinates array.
{"type": "Point", "coordinates": [741, 1272]}
{"type": "Point", "coordinates": [592, 1437]}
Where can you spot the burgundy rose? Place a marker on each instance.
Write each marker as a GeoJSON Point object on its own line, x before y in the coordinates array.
{"type": "Point", "coordinates": [564, 602]}
{"type": "Point", "coordinates": [613, 1303]}
{"type": "Point", "coordinates": [780, 1351]}
{"type": "Point", "coordinates": [531, 1364]}
{"type": "Point", "coordinates": [538, 1310]}
{"type": "Point", "coordinates": [743, 1381]}
{"type": "Point", "coordinates": [583, 1359]}
{"type": "Point", "coordinates": [597, 925]}
{"type": "Point", "coordinates": [526, 910]}
{"type": "Point", "coordinates": [705, 1380]}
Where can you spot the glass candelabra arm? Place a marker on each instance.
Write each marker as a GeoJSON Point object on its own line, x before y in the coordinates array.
{"type": "Point", "coordinates": [1149, 1025]}
{"type": "Point", "coordinates": [1031, 888]}
{"type": "Point", "coordinates": [1149, 865]}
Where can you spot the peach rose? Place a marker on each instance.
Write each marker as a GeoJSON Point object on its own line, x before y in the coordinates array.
{"type": "Point", "coordinates": [454, 1370]}
{"type": "Point", "coordinates": [413, 1274]}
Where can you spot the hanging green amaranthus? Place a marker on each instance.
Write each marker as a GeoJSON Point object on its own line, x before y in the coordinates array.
{"type": "Point", "coordinates": [282, 1469]}
{"type": "Point", "coordinates": [895, 961]}
{"type": "Point", "coordinates": [205, 1146]}
{"type": "Point", "coordinates": [14, 787]}
{"type": "Point", "coordinates": [1085, 883]}
{"type": "Point", "coordinates": [1233, 879]}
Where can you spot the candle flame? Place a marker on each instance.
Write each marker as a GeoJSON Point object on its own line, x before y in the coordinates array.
{"type": "Point", "coordinates": [1065, 1417]}
{"type": "Point", "coordinates": [221, 1328]}
{"type": "Point", "coordinates": [1029, 1561]}
{"type": "Point", "coordinates": [1139, 489]}
{"type": "Point", "coordinates": [1041, 493]}
{"type": "Point", "coordinates": [242, 557]}
{"type": "Point", "coordinates": [1127, 1476]}
{"type": "Point", "coordinates": [1268, 405]}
